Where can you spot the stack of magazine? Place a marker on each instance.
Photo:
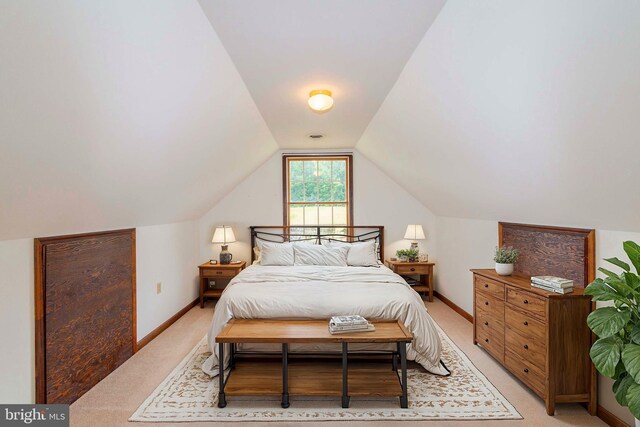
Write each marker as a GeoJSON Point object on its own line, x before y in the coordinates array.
{"type": "Point", "coordinates": [349, 324]}
{"type": "Point", "coordinates": [553, 284]}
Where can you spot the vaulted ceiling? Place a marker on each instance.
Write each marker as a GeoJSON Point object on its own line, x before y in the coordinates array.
{"type": "Point", "coordinates": [284, 49]}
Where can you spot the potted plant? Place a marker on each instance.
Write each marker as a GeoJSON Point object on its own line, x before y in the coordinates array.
{"type": "Point", "coordinates": [505, 257]}
{"type": "Point", "coordinates": [407, 255]}
{"type": "Point", "coordinates": [616, 353]}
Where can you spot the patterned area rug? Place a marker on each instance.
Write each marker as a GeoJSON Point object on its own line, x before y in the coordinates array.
{"type": "Point", "coordinates": [188, 394]}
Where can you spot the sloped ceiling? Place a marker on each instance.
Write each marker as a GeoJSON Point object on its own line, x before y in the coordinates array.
{"type": "Point", "coordinates": [522, 111]}
{"type": "Point", "coordinates": [118, 114]}
{"type": "Point", "coordinates": [284, 49]}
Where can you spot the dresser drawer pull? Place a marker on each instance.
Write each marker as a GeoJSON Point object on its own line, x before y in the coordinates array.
{"type": "Point", "coordinates": [486, 323]}
{"type": "Point", "coordinates": [526, 301]}
{"type": "Point", "coordinates": [486, 303]}
{"type": "Point", "coordinates": [526, 323]}
{"type": "Point", "coordinates": [413, 269]}
{"type": "Point", "coordinates": [486, 285]}
{"type": "Point", "coordinates": [486, 340]}
{"type": "Point", "coordinates": [526, 370]}
{"type": "Point", "coordinates": [526, 347]}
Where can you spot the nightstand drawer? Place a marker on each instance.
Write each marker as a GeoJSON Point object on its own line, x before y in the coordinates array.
{"type": "Point", "coordinates": [210, 272]}
{"type": "Point", "coordinates": [412, 269]}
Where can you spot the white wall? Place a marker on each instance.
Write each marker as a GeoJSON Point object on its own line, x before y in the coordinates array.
{"type": "Point", "coordinates": [258, 201]}
{"type": "Point", "coordinates": [465, 243]}
{"type": "Point", "coordinates": [164, 253]}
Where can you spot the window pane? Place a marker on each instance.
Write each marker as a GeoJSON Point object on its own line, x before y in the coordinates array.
{"type": "Point", "coordinates": [296, 192]}
{"type": "Point", "coordinates": [310, 170]}
{"type": "Point", "coordinates": [339, 170]}
{"type": "Point", "coordinates": [295, 170]}
{"type": "Point", "coordinates": [311, 191]}
{"type": "Point", "coordinates": [325, 215]}
{"type": "Point", "coordinates": [339, 192]}
{"type": "Point", "coordinates": [324, 191]}
{"type": "Point", "coordinates": [311, 215]}
{"type": "Point", "coordinates": [324, 170]}
{"type": "Point", "coordinates": [340, 214]}
{"type": "Point", "coordinates": [296, 215]}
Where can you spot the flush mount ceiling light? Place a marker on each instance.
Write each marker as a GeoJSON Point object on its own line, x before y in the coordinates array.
{"type": "Point", "coordinates": [320, 100]}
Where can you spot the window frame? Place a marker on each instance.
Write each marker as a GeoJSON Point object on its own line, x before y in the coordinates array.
{"type": "Point", "coordinates": [286, 159]}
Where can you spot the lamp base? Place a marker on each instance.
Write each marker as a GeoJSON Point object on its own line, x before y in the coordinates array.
{"type": "Point", "coordinates": [225, 255]}
{"type": "Point", "coordinates": [414, 246]}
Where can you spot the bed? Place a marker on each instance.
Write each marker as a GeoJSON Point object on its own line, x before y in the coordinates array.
{"type": "Point", "coordinates": [319, 292]}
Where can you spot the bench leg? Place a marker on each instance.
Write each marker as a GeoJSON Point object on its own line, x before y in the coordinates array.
{"type": "Point", "coordinates": [402, 349]}
{"type": "Point", "coordinates": [345, 377]}
{"type": "Point", "coordinates": [285, 376]}
{"type": "Point", "coordinates": [222, 401]}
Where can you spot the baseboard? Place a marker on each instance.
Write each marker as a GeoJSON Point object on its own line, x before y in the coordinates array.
{"type": "Point", "coordinates": [157, 331]}
{"type": "Point", "coordinates": [610, 419]}
{"type": "Point", "coordinates": [454, 306]}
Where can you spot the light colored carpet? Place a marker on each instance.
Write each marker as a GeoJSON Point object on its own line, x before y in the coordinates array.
{"type": "Point", "coordinates": [188, 394]}
{"type": "Point", "coordinates": [111, 402]}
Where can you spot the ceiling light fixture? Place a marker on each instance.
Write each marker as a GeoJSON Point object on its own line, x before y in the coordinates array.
{"type": "Point", "coordinates": [320, 100]}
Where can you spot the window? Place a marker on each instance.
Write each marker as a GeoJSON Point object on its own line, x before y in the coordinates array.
{"type": "Point", "coordinates": [317, 190]}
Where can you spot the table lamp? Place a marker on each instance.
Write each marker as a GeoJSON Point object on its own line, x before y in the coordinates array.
{"type": "Point", "coordinates": [224, 234]}
{"type": "Point", "coordinates": [414, 233]}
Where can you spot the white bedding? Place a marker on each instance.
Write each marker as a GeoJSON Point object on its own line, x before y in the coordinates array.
{"type": "Point", "coordinates": [314, 292]}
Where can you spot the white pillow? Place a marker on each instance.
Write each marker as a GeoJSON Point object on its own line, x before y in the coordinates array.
{"type": "Point", "coordinates": [361, 254]}
{"type": "Point", "coordinates": [276, 253]}
{"type": "Point", "coordinates": [320, 255]}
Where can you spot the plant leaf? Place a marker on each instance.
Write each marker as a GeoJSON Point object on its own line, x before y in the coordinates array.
{"type": "Point", "coordinates": [608, 272]}
{"type": "Point", "coordinates": [619, 284]}
{"type": "Point", "coordinates": [635, 333]}
{"type": "Point", "coordinates": [631, 360]}
{"type": "Point", "coordinates": [620, 388]}
{"type": "Point", "coordinates": [632, 280]}
{"type": "Point", "coordinates": [633, 252]}
{"type": "Point", "coordinates": [601, 291]}
{"type": "Point", "coordinates": [607, 321]}
{"type": "Point", "coordinates": [605, 354]}
{"type": "Point", "coordinates": [633, 399]}
{"type": "Point", "coordinates": [615, 261]}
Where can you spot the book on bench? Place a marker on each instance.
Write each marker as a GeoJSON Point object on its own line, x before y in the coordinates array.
{"type": "Point", "coordinates": [349, 324]}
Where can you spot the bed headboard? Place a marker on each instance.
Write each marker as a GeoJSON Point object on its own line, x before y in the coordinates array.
{"type": "Point", "coordinates": [553, 251]}
{"type": "Point", "coordinates": [317, 234]}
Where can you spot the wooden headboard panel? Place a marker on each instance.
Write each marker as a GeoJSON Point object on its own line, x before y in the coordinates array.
{"type": "Point", "coordinates": [554, 251]}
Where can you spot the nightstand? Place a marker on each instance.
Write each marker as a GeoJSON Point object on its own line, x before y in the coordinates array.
{"type": "Point", "coordinates": [422, 269]}
{"type": "Point", "coordinates": [210, 271]}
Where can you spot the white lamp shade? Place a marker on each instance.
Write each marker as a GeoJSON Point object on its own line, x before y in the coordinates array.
{"type": "Point", "coordinates": [320, 100]}
{"type": "Point", "coordinates": [223, 234]}
{"type": "Point", "coordinates": [414, 232]}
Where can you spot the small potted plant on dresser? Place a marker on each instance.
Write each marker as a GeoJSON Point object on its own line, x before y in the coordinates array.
{"type": "Point", "coordinates": [505, 257]}
{"type": "Point", "coordinates": [405, 255]}
{"type": "Point", "coordinates": [616, 353]}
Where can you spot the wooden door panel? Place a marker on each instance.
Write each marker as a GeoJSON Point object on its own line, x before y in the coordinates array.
{"type": "Point", "coordinates": [88, 297]}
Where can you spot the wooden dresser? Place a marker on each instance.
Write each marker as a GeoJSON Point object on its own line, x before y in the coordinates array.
{"type": "Point", "coordinates": [539, 336]}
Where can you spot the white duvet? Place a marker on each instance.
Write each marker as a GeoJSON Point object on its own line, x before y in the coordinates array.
{"type": "Point", "coordinates": [319, 292]}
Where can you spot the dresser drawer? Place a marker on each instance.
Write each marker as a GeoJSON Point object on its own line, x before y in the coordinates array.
{"type": "Point", "coordinates": [492, 341]}
{"type": "Point", "coordinates": [527, 301]}
{"type": "Point", "coordinates": [219, 273]}
{"type": "Point", "coordinates": [408, 270]}
{"type": "Point", "coordinates": [526, 324]}
{"type": "Point", "coordinates": [526, 371]}
{"type": "Point", "coordinates": [528, 348]}
{"type": "Point", "coordinates": [493, 307]}
{"type": "Point", "coordinates": [488, 320]}
{"type": "Point", "coordinates": [489, 287]}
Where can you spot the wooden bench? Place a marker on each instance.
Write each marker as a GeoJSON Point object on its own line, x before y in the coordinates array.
{"type": "Point", "coordinates": [305, 378]}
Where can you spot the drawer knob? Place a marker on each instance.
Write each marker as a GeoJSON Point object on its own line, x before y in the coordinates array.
{"type": "Point", "coordinates": [526, 323]}
{"type": "Point", "coordinates": [486, 285]}
{"type": "Point", "coordinates": [486, 340]}
{"type": "Point", "coordinates": [526, 370]}
{"type": "Point", "coordinates": [486, 303]}
{"type": "Point", "coordinates": [526, 301]}
{"type": "Point", "coordinates": [526, 347]}
{"type": "Point", "coordinates": [413, 269]}
{"type": "Point", "coordinates": [486, 323]}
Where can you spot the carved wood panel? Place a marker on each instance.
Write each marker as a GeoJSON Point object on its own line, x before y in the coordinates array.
{"type": "Point", "coordinates": [554, 251]}
{"type": "Point", "coordinates": [86, 298]}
